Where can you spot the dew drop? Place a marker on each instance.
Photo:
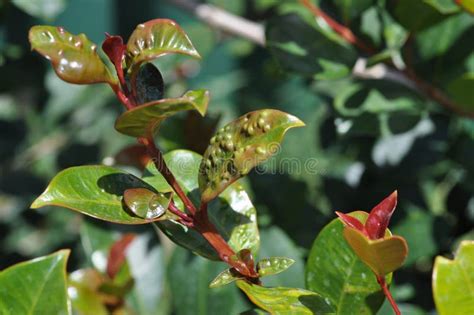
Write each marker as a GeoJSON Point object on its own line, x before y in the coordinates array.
{"type": "Point", "coordinates": [141, 26]}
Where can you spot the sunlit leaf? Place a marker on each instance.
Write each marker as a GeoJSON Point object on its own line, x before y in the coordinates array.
{"type": "Point", "coordinates": [240, 146]}
{"type": "Point", "coordinates": [232, 213]}
{"type": "Point", "coordinates": [273, 265]}
{"type": "Point", "coordinates": [156, 38]}
{"type": "Point", "coordinates": [36, 286]}
{"type": "Point", "coordinates": [74, 57]}
{"type": "Point", "coordinates": [467, 5]}
{"type": "Point", "coordinates": [145, 119]}
{"type": "Point", "coordinates": [383, 255]}
{"type": "Point", "coordinates": [280, 300]}
{"type": "Point", "coordinates": [95, 191]}
{"type": "Point", "coordinates": [453, 282]}
{"type": "Point", "coordinates": [334, 271]}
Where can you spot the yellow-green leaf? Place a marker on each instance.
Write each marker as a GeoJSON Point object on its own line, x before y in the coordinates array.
{"type": "Point", "coordinates": [74, 57]}
{"type": "Point", "coordinates": [225, 277]}
{"type": "Point", "coordinates": [383, 255]}
{"type": "Point", "coordinates": [145, 119]}
{"type": "Point", "coordinates": [453, 282]}
{"type": "Point", "coordinates": [288, 301]}
{"type": "Point", "coordinates": [240, 146]}
{"type": "Point", "coordinates": [273, 265]}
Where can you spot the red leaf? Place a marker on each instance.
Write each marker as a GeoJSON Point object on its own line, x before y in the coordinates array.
{"type": "Point", "coordinates": [351, 222]}
{"type": "Point", "coordinates": [114, 48]}
{"type": "Point", "coordinates": [117, 254]}
{"type": "Point", "coordinates": [379, 217]}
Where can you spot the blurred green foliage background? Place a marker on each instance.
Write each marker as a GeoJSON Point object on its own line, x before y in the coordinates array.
{"type": "Point", "coordinates": [364, 137]}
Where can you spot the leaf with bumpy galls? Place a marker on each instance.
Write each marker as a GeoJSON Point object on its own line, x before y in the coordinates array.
{"type": "Point", "coordinates": [158, 37]}
{"type": "Point", "coordinates": [144, 120]}
{"type": "Point", "coordinates": [240, 146]}
{"type": "Point", "coordinates": [225, 277]}
{"type": "Point", "coordinates": [74, 57]}
{"type": "Point", "coordinates": [273, 265]}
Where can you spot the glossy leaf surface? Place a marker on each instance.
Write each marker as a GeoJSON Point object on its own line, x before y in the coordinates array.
{"type": "Point", "coordinates": [334, 271]}
{"type": "Point", "coordinates": [36, 286]}
{"type": "Point", "coordinates": [232, 213]}
{"type": "Point", "coordinates": [225, 277]}
{"type": "Point", "coordinates": [380, 215]}
{"type": "Point", "coordinates": [280, 300]}
{"type": "Point", "coordinates": [147, 204]}
{"type": "Point", "coordinates": [156, 38]}
{"type": "Point", "coordinates": [240, 146]}
{"type": "Point", "coordinates": [145, 119]}
{"type": "Point", "coordinates": [453, 282]}
{"type": "Point", "coordinates": [74, 57]}
{"type": "Point", "coordinates": [93, 190]}
{"type": "Point", "coordinates": [383, 255]}
{"type": "Point", "coordinates": [273, 265]}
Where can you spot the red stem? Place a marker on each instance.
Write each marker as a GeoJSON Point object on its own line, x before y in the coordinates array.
{"type": "Point", "coordinates": [173, 209]}
{"type": "Point", "coordinates": [386, 291]}
{"type": "Point", "coordinates": [424, 87]}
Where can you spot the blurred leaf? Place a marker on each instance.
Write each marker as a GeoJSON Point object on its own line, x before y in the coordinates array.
{"type": "Point", "coordinates": [74, 58]}
{"type": "Point", "coordinates": [426, 16]}
{"type": "Point", "coordinates": [145, 119]}
{"type": "Point", "coordinates": [232, 213]}
{"type": "Point", "coordinates": [371, 25]}
{"type": "Point", "coordinates": [148, 205]}
{"type": "Point", "coordinates": [83, 286]}
{"type": "Point", "coordinates": [116, 258]}
{"type": "Point", "coordinates": [273, 265]}
{"type": "Point", "coordinates": [298, 46]}
{"type": "Point", "coordinates": [453, 281]}
{"type": "Point", "coordinates": [189, 277]}
{"type": "Point", "coordinates": [467, 5]}
{"type": "Point", "coordinates": [44, 9]}
{"type": "Point", "coordinates": [240, 146]}
{"type": "Point", "coordinates": [147, 264]}
{"type": "Point", "coordinates": [150, 85]}
{"type": "Point", "coordinates": [443, 6]}
{"type": "Point", "coordinates": [93, 190]}
{"type": "Point", "coordinates": [336, 272]}
{"type": "Point", "coordinates": [418, 228]}
{"type": "Point", "coordinates": [280, 300]}
{"type": "Point", "coordinates": [351, 9]}
{"type": "Point", "coordinates": [383, 256]}
{"type": "Point", "coordinates": [461, 90]}
{"type": "Point", "coordinates": [37, 286]}
{"type": "Point", "coordinates": [156, 38]}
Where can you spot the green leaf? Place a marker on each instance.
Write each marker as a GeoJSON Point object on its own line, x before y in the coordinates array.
{"type": "Point", "coordinates": [232, 213]}
{"type": "Point", "coordinates": [351, 9]}
{"type": "Point", "coordinates": [461, 91]}
{"type": "Point", "coordinates": [453, 282]}
{"type": "Point", "coordinates": [44, 9]}
{"type": "Point", "coordinates": [334, 271]}
{"type": "Point", "coordinates": [240, 146]}
{"type": "Point", "coordinates": [225, 277]}
{"type": "Point", "coordinates": [36, 286]}
{"type": "Point", "coordinates": [273, 265]}
{"type": "Point", "coordinates": [383, 256]}
{"type": "Point", "coordinates": [280, 300]}
{"type": "Point", "coordinates": [94, 190]}
{"type": "Point", "coordinates": [74, 57]}
{"type": "Point", "coordinates": [298, 46]}
{"type": "Point", "coordinates": [147, 204]}
{"type": "Point", "coordinates": [145, 119]}
{"type": "Point", "coordinates": [443, 6]}
{"type": "Point", "coordinates": [427, 14]}
{"type": "Point", "coordinates": [156, 38]}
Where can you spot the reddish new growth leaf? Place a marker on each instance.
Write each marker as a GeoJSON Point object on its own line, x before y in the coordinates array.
{"type": "Point", "coordinates": [378, 219]}
{"type": "Point", "coordinates": [114, 48]}
{"type": "Point", "coordinates": [117, 254]}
